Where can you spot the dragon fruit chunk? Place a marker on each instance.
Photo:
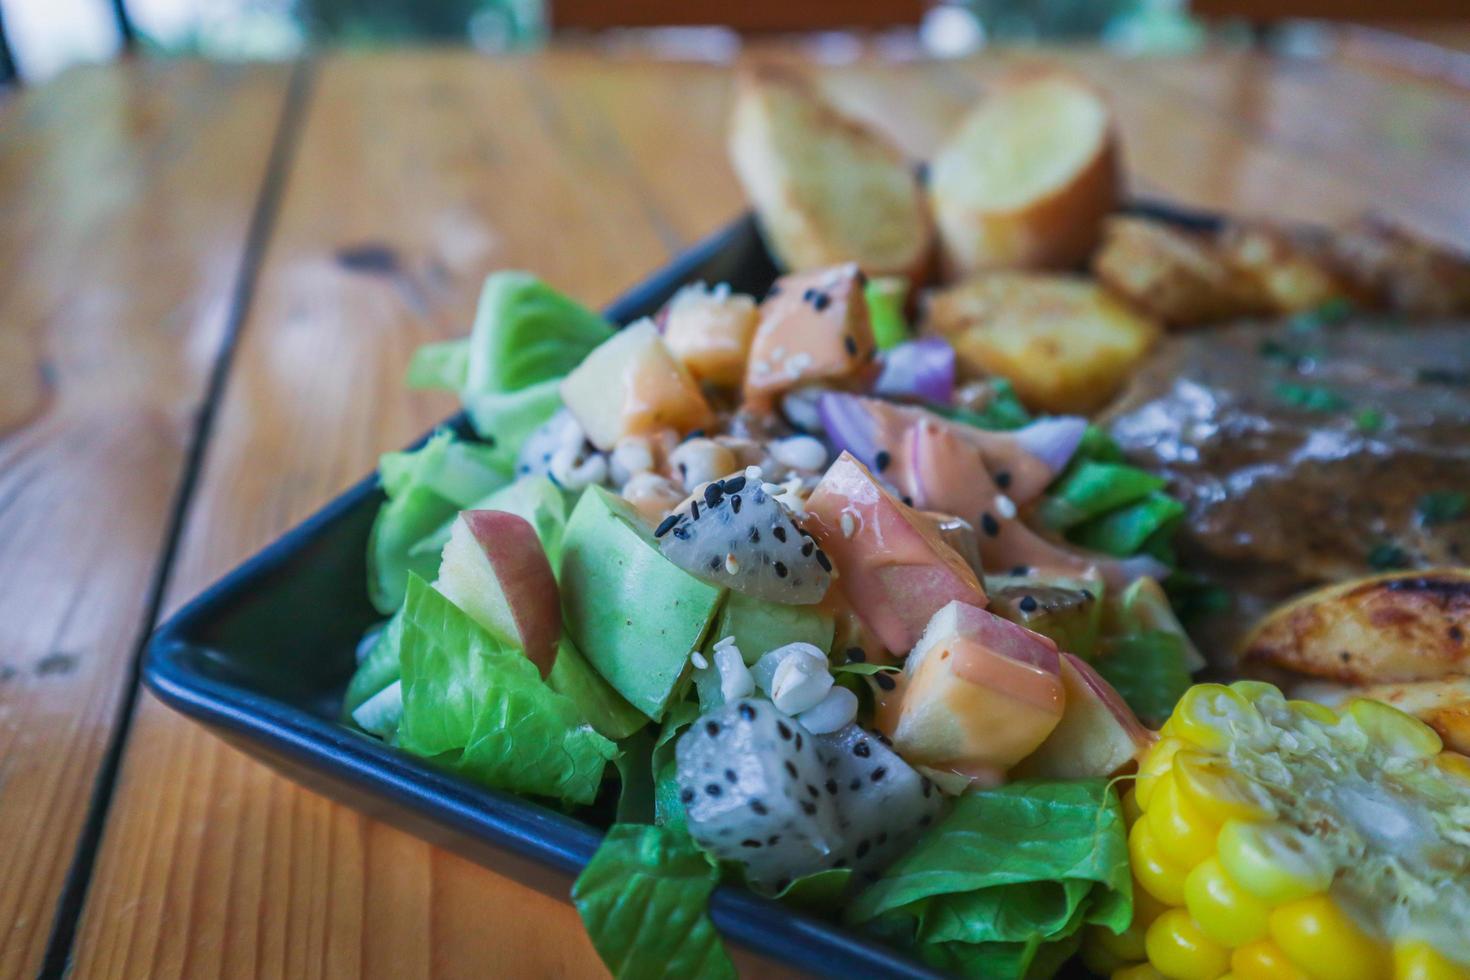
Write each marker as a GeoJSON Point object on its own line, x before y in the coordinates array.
{"type": "Point", "coordinates": [750, 779]}
{"type": "Point", "coordinates": [733, 533]}
{"type": "Point", "coordinates": [883, 805]}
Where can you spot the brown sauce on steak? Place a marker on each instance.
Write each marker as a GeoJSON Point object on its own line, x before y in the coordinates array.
{"type": "Point", "coordinates": [1305, 455]}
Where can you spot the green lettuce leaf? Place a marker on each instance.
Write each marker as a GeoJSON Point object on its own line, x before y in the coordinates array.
{"type": "Point", "coordinates": [378, 669]}
{"type": "Point", "coordinates": [1008, 872]}
{"type": "Point", "coordinates": [644, 899]}
{"type": "Point", "coordinates": [505, 418]}
{"type": "Point", "coordinates": [1149, 669]}
{"type": "Point", "coordinates": [526, 332]}
{"type": "Point", "coordinates": [441, 365]}
{"type": "Point", "coordinates": [481, 709]}
{"type": "Point", "coordinates": [426, 488]}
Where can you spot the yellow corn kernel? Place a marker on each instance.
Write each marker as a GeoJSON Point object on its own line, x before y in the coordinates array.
{"type": "Point", "coordinates": [1180, 949]}
{"type": "Point", "coordinates": [1158, 876]}
{"type": "Point", "coordinates": [1401, 734]}
{"type": "Point", "coordinates": [1320, 938]}
{"type": "Point", "coordinates": [1156, 761]}
{"type": "Point", "coordinates": [1267, 698]}
{"type": "Point", "coordinates": [1226, 913]}
{"type": "Point", "coordinates": [1263, 960]}
{"type": "Point", "coordinates": [1212, 716]}
{"type": "Point", "coordinates": [1208, 782]}
{"type": "Point", "coordinates": [1273, 862]}
{"type": "Point", "coordinates": [1414, 959]}
{"type": "Point", "coordinates": [1455, 764]}
{"type": "Point", "coordinates": [1131, 810]}
{"type": "Point", "coordinates": [1312, 711]}
{"type": "Point", "coordinates": [1139, 971]}
{"type": "Point", "coordinates": [1185, 834]}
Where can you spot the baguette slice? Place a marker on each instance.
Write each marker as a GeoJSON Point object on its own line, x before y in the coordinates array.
{"type": "Point", "coordinates": [1064, 342]}
{"type": "Point", "coordinates": [827, 189]}
{"type": "Point", "coordinates": [1026, 178]}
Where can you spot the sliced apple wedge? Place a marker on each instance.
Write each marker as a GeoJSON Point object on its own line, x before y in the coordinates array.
{"type": "Point", "coordinates": [632, 384]}
{"type": "Point", "coordinates": [893, 567]}
{"type": "Point", "coordinates": [979, 695]}
{"type": "Point", "coordinates": [495, 570]}
{"type": "Point", "coordinates": [1097, 736]}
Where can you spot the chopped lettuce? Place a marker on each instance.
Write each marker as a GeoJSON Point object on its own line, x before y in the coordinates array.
{"type": "Point", "coordinates": [1149, 668]}
{"type": "Point", "coordinates": [505, 418]}
{"type": "Point", "coordinates": [644, 899]}
{"type": "Point", "coordinates": [1008, 874]}
{"type": "Point", "coordinates": [378, 669]}
{"type": "Point", "coordinates": [443, 365]}
{"type": "Point", "coordinates": [526, 332]}
{"type": "Point", "coordinates": [481, 709]}
{"type": "Point", "coordinates": [603, 707]}
{"type": "Point", "coordinates": [426, 487]}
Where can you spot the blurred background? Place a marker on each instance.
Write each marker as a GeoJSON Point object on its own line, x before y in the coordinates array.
{"type": "Point", "coordinates": [44, 37]}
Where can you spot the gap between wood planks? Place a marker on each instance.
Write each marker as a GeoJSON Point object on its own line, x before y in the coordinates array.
{"type": "Point", "coordinates": [72, 900]}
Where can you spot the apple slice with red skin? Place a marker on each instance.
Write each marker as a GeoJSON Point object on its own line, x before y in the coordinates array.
{"type": "Point", "coordinates": [494, 569]}
{"type": "Point", "coordinates": [979, 694]}
{"type": "Point", "coordinates": [893, 567]}
{"type": "Point", "coordinates": [1099, 735]}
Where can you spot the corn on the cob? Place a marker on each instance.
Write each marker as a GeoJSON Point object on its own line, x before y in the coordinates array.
{"type": "Point", "coordinates": [1279, 840]}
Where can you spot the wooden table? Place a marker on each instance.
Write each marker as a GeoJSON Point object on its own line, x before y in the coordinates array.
{"type": "Point", "coordinates": [188, 367]}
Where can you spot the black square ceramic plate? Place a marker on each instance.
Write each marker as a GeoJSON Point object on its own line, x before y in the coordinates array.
{"type": "Point", "coordinates": [263, 657]}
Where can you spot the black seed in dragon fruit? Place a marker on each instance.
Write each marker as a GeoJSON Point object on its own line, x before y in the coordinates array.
{"type": "Point", "coordinates": [733, 533]}
{"type": "Point", "coordinates": [883, 804]}
{"type": "Point", "coordinates": [750, 779]}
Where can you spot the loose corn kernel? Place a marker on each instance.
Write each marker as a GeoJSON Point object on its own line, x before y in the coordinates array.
{"type": "Point", "coordinates": [1312, 711]}
{"type": "Point", "coordinates": [1161, 878]}
{"type": "Point", "coordinates": [1414, 959]}
{"type": "Point", "coordinates": [1139, 971]}
{"type": "Point", "coordinates": [1208, 782]}
{"type": "Point", "coordinates": [1212, 716]}
{"type": "Point", "coordinates": [1156, 761]}
{"type": "Point", "coordinates": [1401, 734]}
{"type": "Point", "coordinates": [1263, 960]}
{"type": "Point", "coordinates": [1185, 834]}
{"type": "Point", "coordinates": [1272, 862]}
{"type": "Point", "coordinates": [1320, 938]}
{"type": "Point", "coordinates": [1180, 949]}
{"type": "Point", "coordinates": [1226, 913]}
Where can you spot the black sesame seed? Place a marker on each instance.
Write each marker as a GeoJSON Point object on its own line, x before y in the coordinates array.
{"type": "Point", "coordinates": [686, 796]}
{"type": "Point", "coordinates": [791, 770]}
{"type": "Point", "coordinates": [749, 842]}
{"type": "Point", "coordinates": [759, 807]}
{"type": "Point", "coordinates": [907, 500]}
{"type": "Point", "coordinates": [1003, 479]}
{"type": "Point", "coordinates": [1027, 603]}
{"type": "Point", "coordinates": [735, 505]}
{"type": "Point", "coordinates": [780, 570]}
{"type": "Point", "coordinates": [735, 484]}
{"type": "Point", "coordinates": [747, 711]}
{"type": "Point", "coordinates": [813, 791]}
{"type": "Point", "coordinates": [831, 787]}
{"type": "Point", "coordinates": [851, 345]}
{"type": "Point", "coordinates": [694, 510]}
{"type": "Point", "coordinates": [682, 533]}
{"type": "Point", "coordinates": [878, 774]}
{"type": "Point", "coordinates": [713, 789]}
{"type": "Point", "coordinates": [882, 460]}
{"type": "Point", "coordinates": [809, 295]}
{"type": "Point", "coordinates": [713, 727]}
{"type": "Point", "coordinates": [863, 848]}
{"type": "Point", "coordinates": [809, 808]}
{"type": "Point", "coordinates": [798, 741]}
{"type": "Point", "coordinates": [885, 682]}
{"type": "Point", "coordinates": [862, 749]}
{"type": "Point", "coordinates": [715, 563]}
{"type": "Point", "coordinates": [712, 495]}
{"type": "Point", "coordinates": [780, 533]}
{"type": "Point", "coordinates": [928, 787]}
{"type": "Point", "coordinates": [684, 470]}
{"type": "Point", "coordinates": [823, 560]}
{"type": "Point", "coordinates": [666, 525]}
{"type": "Point", "coordinates": [821, 301]}
{"type": "Point", "coordinates": [989, 524]}
{"type": "Point", "coordinates": [1021, 570]}
{"type": "Point", "coordinates": [783, 731]}
{"type": "Point", "coordinates": [730, 775]}
{"type": "Point", "coordinates": [806, 549]}
{"type": "Point", "coordinates": [856, 655]}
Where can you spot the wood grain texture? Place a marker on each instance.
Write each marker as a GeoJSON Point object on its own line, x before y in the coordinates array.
{"type": "Point", "coordinates": [127, 192]}
{"type": "Point", "coordinates": [591, 172]}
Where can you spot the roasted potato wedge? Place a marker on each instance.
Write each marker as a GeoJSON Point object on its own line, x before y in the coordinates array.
{"type": "Point", "coordinates": [1178, 276]}
{"type": "Point", "coordinates": [1402, 626]}
{"type": "Point", "coordinates": [1442, 704]}
{"type": "Point", "coordinates": [1063, 341]}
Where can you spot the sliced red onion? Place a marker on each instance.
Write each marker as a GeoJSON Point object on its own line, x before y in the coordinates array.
{"type": "Point", "coordinates": [922, 369]}
{"type": "Point", "coordinates": [849, 426]}
{"type": "Point", "coordinates": [1053, 440]}
{"type": "Point", "coordinates": [1118, 572]}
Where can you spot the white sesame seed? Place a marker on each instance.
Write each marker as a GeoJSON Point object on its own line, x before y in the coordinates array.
{"type": "Point", "coordinates": [698, 660]}
{"type": "Point", "coordinates": [753, 473]}
{"type": "Point", "coordinates": [848, 527]}
{"type": "Point", "coordinates": [1005, 506]}
{"type": "Point", "coordinates": [732, 564]}
{"type": "Point", "coordinates": [726, 641]}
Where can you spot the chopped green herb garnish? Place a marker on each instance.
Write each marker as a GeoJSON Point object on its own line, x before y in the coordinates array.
{"type": "Point", "coordinates": [1312, 398]}
{"type": "Point", "coordinates": [1386, 557]}
{"type": "Point", "coordinates": [1368, 419]}
{"type": "Point", "coordinates": [1442, 506]}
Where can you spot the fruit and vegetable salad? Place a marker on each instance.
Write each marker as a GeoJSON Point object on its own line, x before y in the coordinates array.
{"type": "Point", "coordinates": [764, 587]}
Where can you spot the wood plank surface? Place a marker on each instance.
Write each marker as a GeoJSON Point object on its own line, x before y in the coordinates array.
{"type": "Point", "coordinates": [127, 192]}
{"type": "Point", "coordinates": [591, 172]}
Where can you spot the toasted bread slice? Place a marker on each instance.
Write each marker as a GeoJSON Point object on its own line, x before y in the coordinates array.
{"type": "Point", "coordinates": [1063, 341]}
{"type": "Point", "coordinates": [1178, 276]}
{"type": "Point", "coordinates": [827, 189]}
{"type": "Point", "coordinates": [1026, 179]}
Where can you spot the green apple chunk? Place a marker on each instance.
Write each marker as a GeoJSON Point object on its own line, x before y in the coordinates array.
{"type": "Point", "coordinates": [634, 614]}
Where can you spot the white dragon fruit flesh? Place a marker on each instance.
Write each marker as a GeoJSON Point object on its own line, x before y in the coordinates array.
{"type": "Point", "coordinates": [733, 533]}
{"type": "Point", "coordinates": [883, 805]}
{"type": "Point", "coordinates": [750, 780]}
